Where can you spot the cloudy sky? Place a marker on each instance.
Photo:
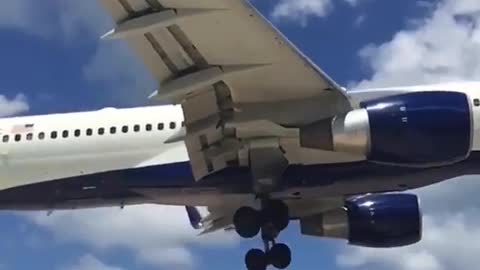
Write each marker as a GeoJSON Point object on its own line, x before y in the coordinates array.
{"type": "Point", "coordinates": [51, 60]}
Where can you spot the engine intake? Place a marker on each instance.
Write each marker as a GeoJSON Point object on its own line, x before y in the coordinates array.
{"type": "Point", "coordinates": [377, 220]}
{"type": "Point", "coordinates": [419, 129]}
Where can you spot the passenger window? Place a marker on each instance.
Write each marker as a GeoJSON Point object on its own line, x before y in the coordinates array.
{"type": "Point", "coordinates": [136, 128]}
{"type": "Point", "coordinates": [89, 132]}
{"type": "Point", "coordinates": [160, 126]}
{"type": "Point", "coordinates": [172, 125]}
{"type": "Point", "coordinates": [41, 135]}
{"type": "Point", "coordinates": [183, 123]}
{"type": "Point", "coordinates": [476, 102]}
{"type": "Point", "coordinates": [77, 132]}
{"type": "Point", "coordinates": [53, 135]}
{"type": "Point", "coordinates": [5, 138]}
{"type": "Point", "coordinates": [18, 137]}
{"type": "Point", "coordinates": [101, 131]}
{"type": "Point", "coordinates": [113, 130]}
{"type": "Point", "coordinates": [148, 127]}
{"type": "Point", "coordinates": [29, 136]}
{"type": "Point", "coordinates": [125, 129]}
{"type": "Point", "coordinates": [65, 134]}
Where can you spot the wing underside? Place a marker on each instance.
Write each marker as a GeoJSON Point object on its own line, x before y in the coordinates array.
{"type": "Point", "coordinates": [237, 78]}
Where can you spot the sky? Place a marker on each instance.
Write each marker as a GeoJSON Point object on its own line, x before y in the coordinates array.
{"type": "Point", "coordinates": [52, 61]}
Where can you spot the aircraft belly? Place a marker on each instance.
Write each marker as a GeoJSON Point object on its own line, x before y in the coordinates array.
{"type": "Point", "coordinates": [174, 184]}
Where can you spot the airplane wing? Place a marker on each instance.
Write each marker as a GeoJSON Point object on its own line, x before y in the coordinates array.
{"type": "Point", "coordinates": [236, 77]}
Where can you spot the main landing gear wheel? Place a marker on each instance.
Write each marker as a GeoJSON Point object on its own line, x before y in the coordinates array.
{"type": "Point", "coordinates": [247, 222]}
{"type": "Point", "coordinates": [271, 220]}
{"type": "Point", "coordinates": [255, 259]}
{"type": "Point", "coordinates": [280, 256]}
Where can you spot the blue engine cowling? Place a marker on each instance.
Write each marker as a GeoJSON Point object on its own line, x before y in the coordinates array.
{"type": "Point", "coordinates": [384, 220]}
{"type": "Point", "coordinates": [373, 220]}
{"type": "Point", "coordinates": [420, 129]}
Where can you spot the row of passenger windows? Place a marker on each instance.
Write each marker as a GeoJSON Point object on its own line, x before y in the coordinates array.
{"type": "Point", "coordinates": [88, 132]}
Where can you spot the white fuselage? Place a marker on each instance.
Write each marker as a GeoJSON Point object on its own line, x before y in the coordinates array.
{"type": "Point", "coordinates": [41, 148]}
{"type": "Point", "coordinates": [36, 149]}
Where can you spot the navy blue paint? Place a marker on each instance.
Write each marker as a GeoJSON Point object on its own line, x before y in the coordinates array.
{"type": "Point", "coordinates": [434, 128]}
{"type": "Point", "coordinates": [115, 187]}
{"type": "Point", "coordinates": [384, 220]}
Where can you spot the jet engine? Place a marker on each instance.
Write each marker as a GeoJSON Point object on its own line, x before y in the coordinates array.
{"type": "Point", "coordinates": [376, 220]}
{"type": "Point", "coordinates": [420, 129]}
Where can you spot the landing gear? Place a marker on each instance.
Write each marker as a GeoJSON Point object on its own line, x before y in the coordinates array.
{"type": "Point", "coordinates": [247, 222]}
{"type": "Point", "coordinates": [276, 212]}
{"type": "Point", "coordinates": [255, 259]}
{"type": "Point", "coordinates": [278, 255]}
{"type": "Point", "coordinates": [271, 220]}
{"type": "Point", "coordinates": [267, 164]}
{"type": "Point", "coordinates": [273, 216]}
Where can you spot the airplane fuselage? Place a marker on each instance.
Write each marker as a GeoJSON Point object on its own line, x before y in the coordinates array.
{"type": "Point", "coordinates": [121, 156]}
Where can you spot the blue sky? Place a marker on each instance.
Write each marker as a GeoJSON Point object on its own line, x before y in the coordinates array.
{"type": "Point", "coordinates": [51, 60]}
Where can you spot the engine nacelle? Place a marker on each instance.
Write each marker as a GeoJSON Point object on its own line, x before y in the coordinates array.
{"type": "Point", "coordinates": [377, 220]}
{"type": "Point", "coordinates": [419, 129]}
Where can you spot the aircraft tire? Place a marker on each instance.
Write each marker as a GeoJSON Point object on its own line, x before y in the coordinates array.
{"type": "Point", "coordinates": [255, 259]}
{"type": "Point", "coordinates": [247, 222]}
{"type": "Point", "coordinates": [280, 256]}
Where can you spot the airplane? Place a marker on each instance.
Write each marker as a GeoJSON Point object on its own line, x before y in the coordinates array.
{"type": "Point", "coordinates": [254, 131]}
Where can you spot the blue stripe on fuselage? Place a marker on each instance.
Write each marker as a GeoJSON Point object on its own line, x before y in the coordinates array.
{"type": "Point", "coordinates": [122, 185]}
{"type": "Point", "coordinates": [179, 175]}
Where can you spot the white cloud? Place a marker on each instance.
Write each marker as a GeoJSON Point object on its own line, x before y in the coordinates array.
{"type": "Point", "coordinates": [9, 107]}
{"type": "Point", "coordinates": [300, 11]}
{"type": "Point", "coordinates": [78, 19]}
{"type": "Point", "coordinates": [449, 242]}
{"type": "Point", "coordinates": [178, 257]}
{"type": "Point", "coordinates": [451, 233]}
{"type": "Point", "coordinates": [64, 19]}
{"type": "Point", "coordinates": [443, 47]}
{"type": "Point", "coordinates": [89, 262]}
{"type": "Point", "coordinates": [360, 20]}
{"type": "Point", "coordinates": [112, 65]}
{"type": "Point", "coordinates": [352, 2]}
{"type": "Point", "coordinates": [115, 68]}
{"type": "Point", "coordinates": [21, 14]}
{"type": "Point", "coordinates": [147, 231]}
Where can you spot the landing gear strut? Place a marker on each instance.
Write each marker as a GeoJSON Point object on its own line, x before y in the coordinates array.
{"type": "Point", "coordinates": [270, 220]}
{"type": "Point", "coordinates": [267, 164]}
